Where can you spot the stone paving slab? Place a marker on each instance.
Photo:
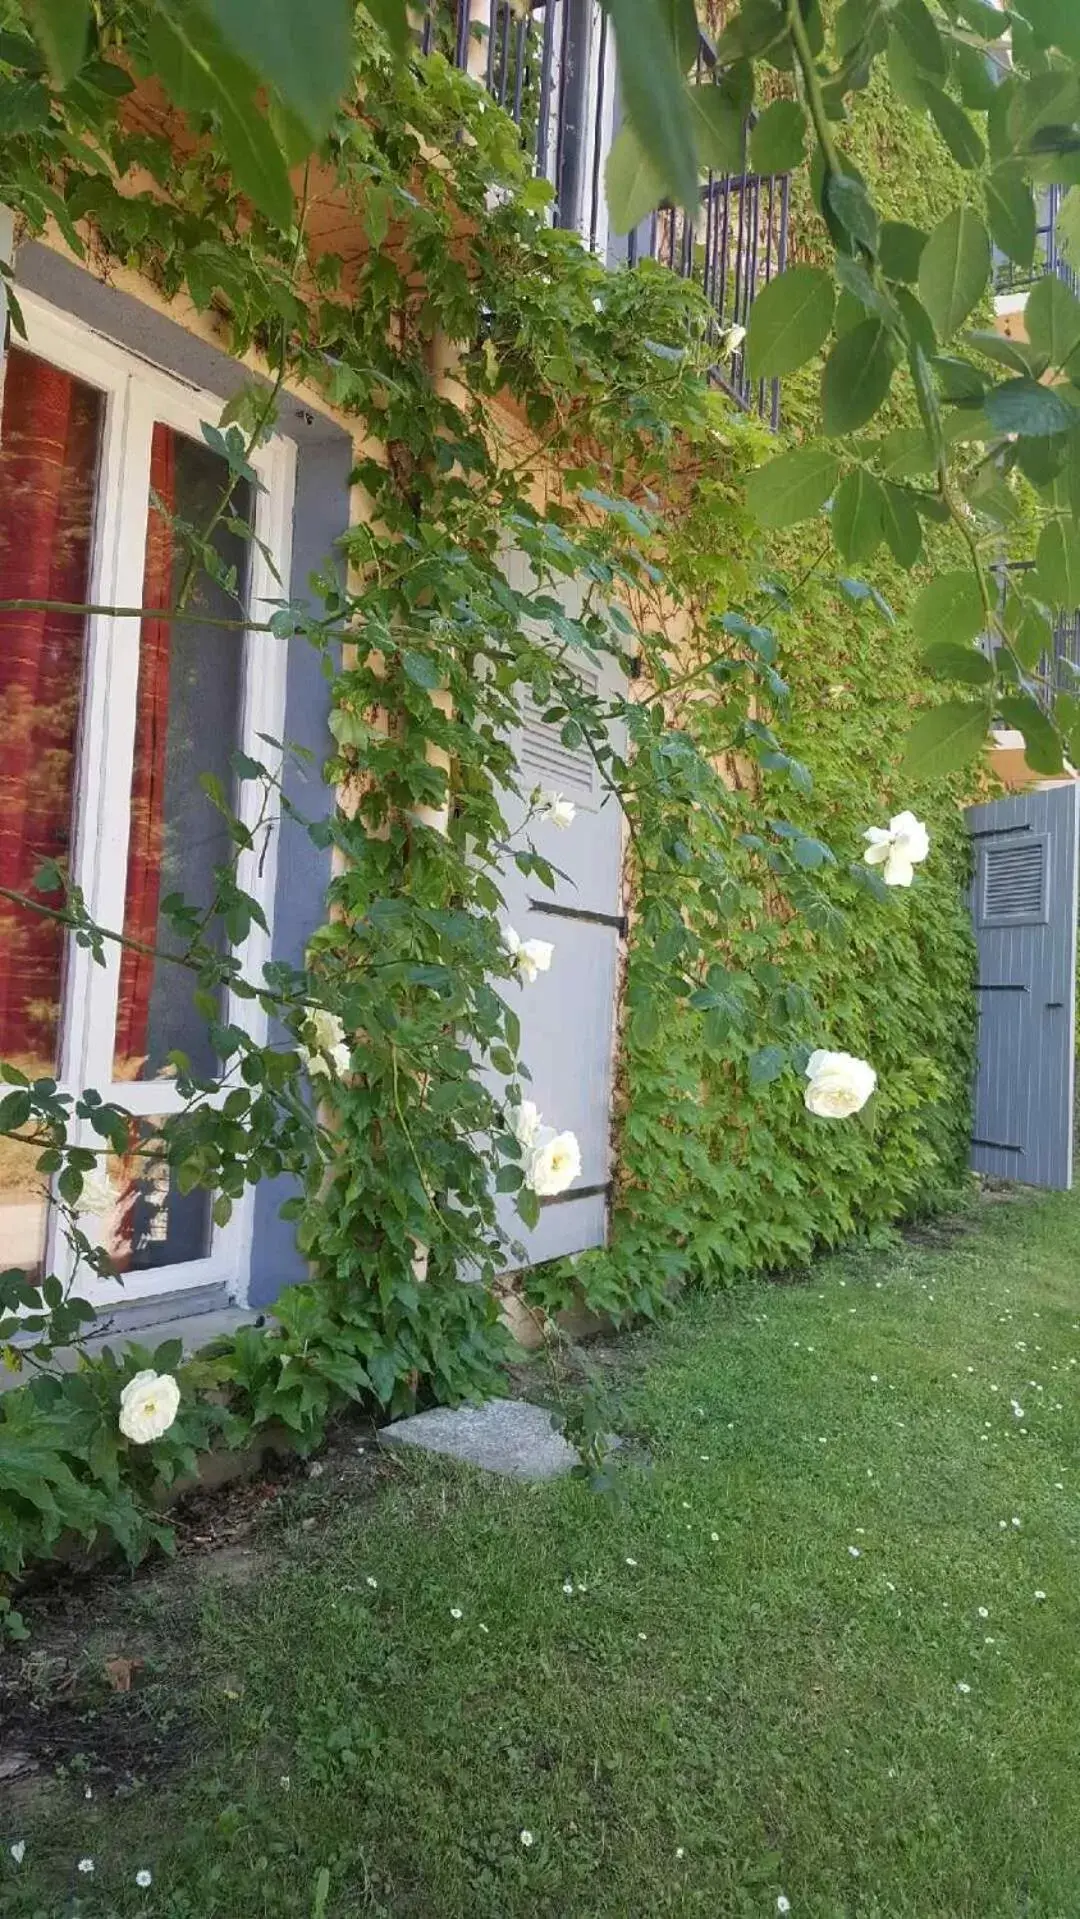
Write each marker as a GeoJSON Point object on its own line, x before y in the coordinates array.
{"type": "Point", "coordinates": [504, 1436]}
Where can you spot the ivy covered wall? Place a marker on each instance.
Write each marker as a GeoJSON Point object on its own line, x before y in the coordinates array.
{"type": "Point", "coordinates": [721, 1172]}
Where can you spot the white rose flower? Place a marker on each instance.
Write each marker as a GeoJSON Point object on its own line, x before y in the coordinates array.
{"type": "Point", "coordinates": [897, 849]}
{"type": "Point", "coordinates": [838, 1084]}
{"type": "Point", "coordinates": [98, 1195]}
{"type": "Point", "coordinates": [530, 957]}
{"type": "Point", "coordinates": [524, 1122]}
{"type": "Point", "coordinates": [148, 1406]}
{"type": "Point", "coordinates": [555, 810]}
{"type": "Point", "coordinates": [327, 1051]}
{"type": "Point", "coordinates": [554, 1163]}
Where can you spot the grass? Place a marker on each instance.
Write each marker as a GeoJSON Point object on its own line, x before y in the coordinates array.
{"type": "Point", "coordinates": [729, 1707]}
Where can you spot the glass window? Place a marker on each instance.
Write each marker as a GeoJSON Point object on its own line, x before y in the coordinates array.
{"type": "Point", "coordinates": [152, 1223]}
{"type": "Point", "coordinates": [187, 725]}
{"type": "Point", "coordinates": [50, 432]}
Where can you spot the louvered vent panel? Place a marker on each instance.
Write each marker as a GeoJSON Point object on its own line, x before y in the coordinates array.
{"type": "Point", "coordinates": [566, 769]}
{"type": "Point", "coordinates": [1014, 883]}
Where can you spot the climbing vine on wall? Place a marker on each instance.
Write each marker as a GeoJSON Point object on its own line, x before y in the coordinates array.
{"type": "Point", "coordinates": [753, 915]}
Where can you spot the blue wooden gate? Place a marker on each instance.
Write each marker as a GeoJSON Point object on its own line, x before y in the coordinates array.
{"type": "Point", "coordinates": [1024, 908]}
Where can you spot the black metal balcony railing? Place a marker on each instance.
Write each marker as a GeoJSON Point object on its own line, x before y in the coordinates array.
{"type": "Point", "coordinates": [551, 65]}
{"type": "Point", "coordinates": [1049, 258]}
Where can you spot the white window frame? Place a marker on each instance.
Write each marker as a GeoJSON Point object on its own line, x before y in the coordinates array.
{"type": "Point", "coordinates": [136, 394]}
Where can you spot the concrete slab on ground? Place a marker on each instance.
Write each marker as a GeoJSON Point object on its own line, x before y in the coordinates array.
{"type": "Point", "coordinates": [504, 1436]}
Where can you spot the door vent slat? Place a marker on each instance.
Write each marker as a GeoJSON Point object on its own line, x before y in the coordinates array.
{"type": "Point", "coordinates": [1014, 883]}
{"type": "Point", "coordinates": [569, 769]}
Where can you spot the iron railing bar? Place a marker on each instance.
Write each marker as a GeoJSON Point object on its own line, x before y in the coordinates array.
{"type": "Point", "coordinates": [598, 132]}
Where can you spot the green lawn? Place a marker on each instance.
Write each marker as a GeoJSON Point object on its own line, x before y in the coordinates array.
{"type": "Point", "coordinates": [825, 1647]}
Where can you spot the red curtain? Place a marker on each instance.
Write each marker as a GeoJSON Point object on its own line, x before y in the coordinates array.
{"type": "Point", "coordinates": [146, 832]}
{"type": "Point", "coordinates": [48, 464]}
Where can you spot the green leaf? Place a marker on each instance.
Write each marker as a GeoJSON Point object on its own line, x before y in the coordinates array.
{"type": "Point", "coordinates": [1052, 320]}
{"type": "Point", "coordinates": [1029, 409]}
{"type": "Point", "coordinates": [60, 29]}
{"type": "Point", "coordinates": [950, 608]}
{"type": "Point", "coordinates": [856, 378]}
{"type": "Point", "coordinates": [420, 668]}
{"type": "Point", "coordinates": [634, 187]}
{"type": "Point", "coordinates": [983, 18]}
{"type": "Point", "coordinates": [680, 18]}
{"type": "Point", "coordinates": [1057, 565]}
{"type": "Point", "coordinates": [304, 52]}
{"type": "Point", "coordinates": [858, 516]}
{"type": "Point", "coordinates": [793, 487]}
{"type": "Point", "coordinates": [900, 250]}
{"type": "Point", "coordinates": [1042, 747]}
{"type": "Point", "coordinates": [945, 739]}
{"type": "Point", "coordinates": [1031, 637]}
{"type": "Point", "coordinates": [954, 270]}
{"type": "Point", "coordinates": [918, 30]}
{"type": "Point", "coordinates": [851, 207]}
{"type": "Point", "coordinates": [654, 95]}
{"type": "Point", "coordinates": [393, 17]}
{"type": "Point", "coordinates": [767, 1064]}
{"type": "Point", "coordinates": [1010, 209]}
{"type": "Point", "coordinates": [1017, 355]}
{"type": "Point", "coordinates": [719, 129]}
{"type": "Point", "coordinates": [903, 529]}
{"type": "Point", "coordinates": [947, 660]}
{"type": "Point", "coordinates": [528, 1207]}
{"type": "Point", "coordinates": [961, 138]}
{"type": "Point", "coordinates": [789, 321]}
{"type": "Point", "coordinates": [778, 141]}
{"type": "Point", "coordinates": [198, 70]}
{"type": "Point", "coordinates": [1056, 23]}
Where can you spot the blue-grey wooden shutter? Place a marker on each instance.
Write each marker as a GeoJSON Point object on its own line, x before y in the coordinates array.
{"type": "Point", "coordinates": [568, 1016]}
{"type": "Point", "coordinates": [1024, 908]}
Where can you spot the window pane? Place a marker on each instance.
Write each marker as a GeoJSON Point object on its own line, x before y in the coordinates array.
{"type": "Point", "coordinates": [187, 724]}
{"type": "Point", "coordinates": [152, 1224]}
{"type": "Point", "coordinates": [50, 426]}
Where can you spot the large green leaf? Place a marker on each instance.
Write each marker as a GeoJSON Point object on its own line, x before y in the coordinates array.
{"type": "Point", "coordinates": [945, 738]}
{"type": "Point", "coordinates": [60, 29]}
{"type": "Point", "coordinates": [719, 129]}
{"type": "Point", "coordinates": [903, 528]}
{"type": "Point", "coordinates": [1052, 320]}
{"type": "Point", "coordinates": [1030, 409]}
{"type": "Point", "coordinates": [1056, 24]}
{"type": "Point", "coordinates": [954, 270]}
{"type": "Point", "coordinates": [305, 52]}
{"type": "Point", "coordinates": [793, 487]}
{"type": "Point", "coordinates": [393, 17]}
{"type": "Point", "coordinates": [1057, 565]}
{"type": "Point", "coordinates": [900, 250]}
{"type": "Point", "coordinates": [1045, 101]}
{"type": "Point", "coordinates": [918, 30]}
{"type": "Point", "coordinates": [654, 94]}
{"type": "Point", "coordinates": [858, 516]}
{"type": "Point", "coordinates": [1010, 209]}
{"type": "Point", "coordinates": [203, 76]}
{"type": "Point", "coordinates": [634, 187]}
{"type": "Point", "coordinates": [947, 660]}
{"type": "Point", "coordinates": [778, 142]}
{"type": "Point", "coordinates": [963, 141]}
{"type": "Point", "coordinates": [789, 321]}
{"type": "Point", "coordinates": [681, 20]}
{"type": "Point", "coordinates": [1042, 747]}
{"type": "Point", "coordinates": [950, 608]}
{"type": "Point", "coordinates": [857, 377]}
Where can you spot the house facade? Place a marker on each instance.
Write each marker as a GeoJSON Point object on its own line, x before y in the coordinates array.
{"type": "Point", "coordinates": [113, 722]}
